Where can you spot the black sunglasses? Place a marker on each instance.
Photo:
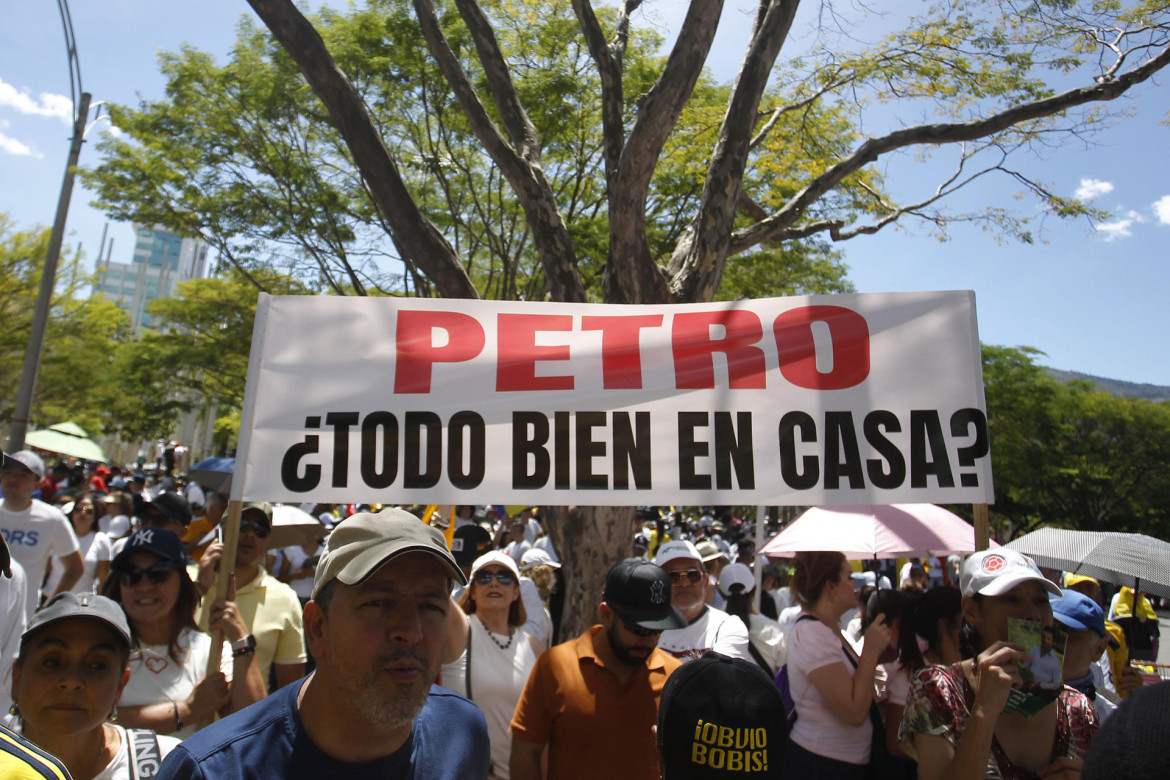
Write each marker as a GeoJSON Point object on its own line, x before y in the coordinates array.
{"type": "Point", "coordinates": [258, 529]}
{"type": "Point", "coordinates": [503, 576]}
{"type": "Point", "coordinates": [156, 573]}
{"type": "Point", "coordinates": [634, 628]}
{"type": "Point", "coordinates": [692, 576]}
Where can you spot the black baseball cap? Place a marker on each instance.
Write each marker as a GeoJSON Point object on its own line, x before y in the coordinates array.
{"type": "Point", "coordinates": [640, 592]}
{"type": "Point", "coordinates": [161, 541]}
{"type": "Point", "coordinates": [468, 543]}
{"type": "Point", "coordinates": [173, 507]}
{"type": "Point", "coordinates": [721, 717]}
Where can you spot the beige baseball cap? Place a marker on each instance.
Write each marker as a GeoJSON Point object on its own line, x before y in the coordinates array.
{"type": "Point", "coordinates": [361, 544]}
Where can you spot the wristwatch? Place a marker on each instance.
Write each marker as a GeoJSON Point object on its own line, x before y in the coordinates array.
{"type": "Point", "coordinates": [244, 646]}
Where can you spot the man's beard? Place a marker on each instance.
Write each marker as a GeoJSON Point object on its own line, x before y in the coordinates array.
{"type": "Point", "coordinates": [623, 652]}
{"type": "Point", "coordinates": [398, 708]}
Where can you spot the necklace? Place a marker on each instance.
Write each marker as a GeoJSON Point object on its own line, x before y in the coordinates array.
{"type": "Point", "coordinates": [496, 642]}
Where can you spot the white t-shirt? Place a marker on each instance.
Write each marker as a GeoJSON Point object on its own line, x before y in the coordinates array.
{"type": "Point", "coordinates": [155, 677]}
{"type": "Point", "coordinates": [812, 645]}
{"type": "Point", "coordinates": [35, 535]}
{"type": "Point", "coordinates": [296, 557]}
{"type": "Point", "coordinates": [545, 543]}
{"type": "Point", "coordinates": [768, 637]}
{"type": "Point", "coordinates": [95, 547]}
{"type": "Point", "coordinates": [119, 766]}
{"type": "Point", "coordinates": [517, 550]}
{"type": "Point", "coordinates": [12, 623]}
{"type": "Point", "coordinates": [714, 630]}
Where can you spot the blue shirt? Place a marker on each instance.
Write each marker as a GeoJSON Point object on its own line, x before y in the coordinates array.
{"type": "Point", "coordinates": [448, 740]}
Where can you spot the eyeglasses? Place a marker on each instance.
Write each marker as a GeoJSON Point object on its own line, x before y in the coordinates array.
{"type": "Point", "coordinates": [502, 576]}
{"type": "Point", "coordinates": [86, 510]}
{"type": "Point", "coordinates": [254, 527]}
{"type": "Point", "coordinates": [156, 573]}
{"type": "Point", "coordinates": [634, 628]}
{"type": "Point", "coordinates": [692, 577]}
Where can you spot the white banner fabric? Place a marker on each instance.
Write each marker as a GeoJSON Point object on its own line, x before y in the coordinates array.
{"type": "Point", "coordinates": [818, 400]}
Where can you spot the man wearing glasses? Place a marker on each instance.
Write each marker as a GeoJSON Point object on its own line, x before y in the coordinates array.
{"type": "Point", "coordinates": [269, 607]}
{"type": "Point", "coordinates": [707, 628]}
{"type": "Point", "coordinates": [595, 697]}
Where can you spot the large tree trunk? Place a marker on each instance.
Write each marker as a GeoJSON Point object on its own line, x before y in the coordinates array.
{"type": "Point", "coordinates": [589, 540]}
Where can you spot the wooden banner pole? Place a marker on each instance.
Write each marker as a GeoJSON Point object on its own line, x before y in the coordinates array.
{"type": "Point", "coordinates": [227, 562]}
{"type": "Point", "coordinates": [982, 534]}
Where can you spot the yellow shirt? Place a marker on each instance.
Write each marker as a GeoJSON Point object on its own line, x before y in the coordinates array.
{"type": "Point", "coordinates": [22, 760]}
{"type": "Point", "coordinates": [272, 612]}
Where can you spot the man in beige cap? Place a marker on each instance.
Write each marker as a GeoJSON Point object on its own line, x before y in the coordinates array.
{"type": "Point", "coordinates": [376, 626]}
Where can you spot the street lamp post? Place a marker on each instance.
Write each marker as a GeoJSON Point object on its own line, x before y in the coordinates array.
{"type": "Point", "coordinates": [36, 338]}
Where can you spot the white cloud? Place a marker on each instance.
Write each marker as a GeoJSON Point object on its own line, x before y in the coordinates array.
{"type": "Point", "coordinates": [1092, 188]}
{"type": "Point", "coordinates": [46, 104]}
{"type": "Point", "coordinates": [12, 146]}
{"type": "Point", "coordinates": [1162, 210]}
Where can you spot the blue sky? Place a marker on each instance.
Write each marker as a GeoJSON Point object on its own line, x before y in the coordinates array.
{"type": "Point", "coordinates": [1093, 297]}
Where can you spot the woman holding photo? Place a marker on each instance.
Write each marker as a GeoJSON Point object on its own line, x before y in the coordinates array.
{"type": "Point", "coordinates": [954, 723]}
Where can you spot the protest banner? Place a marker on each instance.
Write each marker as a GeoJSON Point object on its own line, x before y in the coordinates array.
{"type": "Point", "coordinates": [844, 399]}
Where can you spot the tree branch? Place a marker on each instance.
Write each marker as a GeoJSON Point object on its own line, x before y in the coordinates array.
{"type": "Point", "coordinates": [414, 235]}
{"type": "Point", "coordinates": [631, 273]}
{"type": "Point", "coordinates": [775, 225]}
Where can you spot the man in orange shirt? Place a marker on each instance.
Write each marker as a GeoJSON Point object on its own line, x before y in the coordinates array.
{"type": "Point", "coordinates": [596, 696]}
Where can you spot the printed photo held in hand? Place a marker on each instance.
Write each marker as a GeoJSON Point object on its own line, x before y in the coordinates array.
{"type": "Point", "coordinates": [1042, 675]}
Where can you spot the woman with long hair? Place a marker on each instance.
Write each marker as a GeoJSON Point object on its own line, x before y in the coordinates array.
{"type": "Point", "coordinates": [928, 635]}
{"type": "Point", "coordinates": [488, 655]}
{"type": "Point", "coordinates": [955, 724]}
{"type": "Point", "coordinates": [169, 690]}
{"type": "Point", "coordinates": [832, 687]}
{"type": "Point", "coordinates": [65, 687]}
{"type": "Point", "coordinates": [766, 637]}
{"type": "Point", "coordinates": [96, 547]}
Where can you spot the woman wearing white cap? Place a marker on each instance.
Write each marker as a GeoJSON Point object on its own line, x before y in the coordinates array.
{"type": "Point", "coordinates": [66, 683]}
{"type": "Point", "coordinates": [736, 583]}
{"type": "Point", "coordinates": [954, 723]}
{"type": "Point", "coordinates": [488, 655]}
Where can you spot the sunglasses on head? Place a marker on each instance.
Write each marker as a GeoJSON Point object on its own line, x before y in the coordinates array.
{"type": "Point", "coordinates": [503, 576]}
{"type": "Point", "coordinates": [155, 573]}
{"type": "Point", "coordinates": [634, 628]}
{"type": "Point", "coordinates": [692, 577]}
{"type": "Point", "coordinates": [254, 527]}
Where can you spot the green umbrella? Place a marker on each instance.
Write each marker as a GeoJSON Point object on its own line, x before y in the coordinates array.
{"type": "Point", "coordinates": [66, 439]}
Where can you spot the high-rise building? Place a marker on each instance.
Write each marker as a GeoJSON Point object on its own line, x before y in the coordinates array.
{"type": "Point", "coordinates": [161, 260]}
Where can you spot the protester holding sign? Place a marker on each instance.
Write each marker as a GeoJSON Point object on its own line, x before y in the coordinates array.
{"type": "Point", "coordinates": [955, 724]}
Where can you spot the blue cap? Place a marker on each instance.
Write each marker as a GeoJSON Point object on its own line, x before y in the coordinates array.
{"type": "Point", "coordinates": [1076, 610]}
{"type": "Point", "coordinates": [160, 541]}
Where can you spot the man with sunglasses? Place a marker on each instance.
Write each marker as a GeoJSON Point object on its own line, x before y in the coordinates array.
{"type": "Point", "coordinates": [35, 531]}
{"type": "Point", "coordinates": [707, 628]}
{"type": "Point", "coordinates": [269, 607]}
{"type": "Point", "coordinates": [596, 697]}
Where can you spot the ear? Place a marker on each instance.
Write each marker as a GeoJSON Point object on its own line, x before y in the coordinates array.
{"type": "Point", "coordinates": [607, 615]}
{"type": "Point", "coordinates": [971, 611]}
{"type": "Point", "coordinates": [315, 620]}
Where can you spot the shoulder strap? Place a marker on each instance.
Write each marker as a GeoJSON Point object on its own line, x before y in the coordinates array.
{"type": "Point", "coordinates": [467, 674]}
{"type": "Point", "coordinates": [145, 756]}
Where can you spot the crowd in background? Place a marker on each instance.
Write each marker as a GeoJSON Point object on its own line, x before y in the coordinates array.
{"type": "Point", "coordinates": [884, 669]}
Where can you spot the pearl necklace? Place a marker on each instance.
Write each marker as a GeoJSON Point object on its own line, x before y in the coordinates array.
{"type": "Point", "coordinates": [492, 636]}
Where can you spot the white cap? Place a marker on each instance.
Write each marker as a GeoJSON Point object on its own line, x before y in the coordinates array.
{"type": "Point", "coordinates": [497, 557]}
{"type": "Point", "coordinates": [668, 551]}
{"type": "Point", "coordinates": [736, 574]}
{"type": "Point", "coordinates": [119, 527]}
{"type": "Point", "coordinates": [995, 572]}
{"type": "Point", "coordinates": [31, 461]}
{"type": "Point", "coordinates": [536, 557]}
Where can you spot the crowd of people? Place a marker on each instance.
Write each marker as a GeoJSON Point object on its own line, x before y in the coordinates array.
{"type": "Point", "coordinates": [397, 644]}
